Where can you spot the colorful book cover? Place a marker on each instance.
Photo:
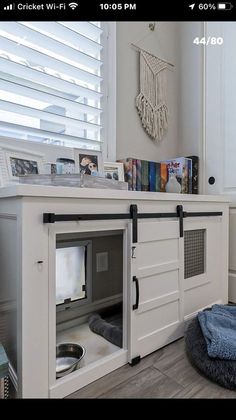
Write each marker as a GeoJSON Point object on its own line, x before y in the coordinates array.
{"type": "Point", "coordinates": [152, 176]}
{"type": "Point", "coordinates": [195, 171]}
{"type": "Point", "coordinates": [134, 174]}
{"type": "Point", "coordinates": [158, 177]}
{"type": "Point", "coordinates": [144, 175]}
{"type": "Point", "coordinates": [180, 167]}
{"type": "Point", "coordinates": [163, 176]}
{"type": "Point", "coordinates": [138, 175]}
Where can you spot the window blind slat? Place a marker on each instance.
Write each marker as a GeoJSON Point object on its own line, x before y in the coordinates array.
{"type": "Point", "coordinates": [43, 41]}
{"type": "Point", "coordinates": [69, 36]}
{"type": "Point", "coordinates": [39, 95]}
{"type": "Point", "coordinates": [44, 60]}
{"type": "Point", "coordinates": [86, 28]}
{"type": "Point", "coordinates": [50, 135]}
{"type": "Point", "coordinates": [43, 115]}
{"type": "Point", "coordinates": [45, 79]}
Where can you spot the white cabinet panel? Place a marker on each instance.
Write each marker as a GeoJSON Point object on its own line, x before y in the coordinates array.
{"type": "Point", "coordinates": [148, 232]}
{"type": "Point", "coordinates": [232, 287]}
{"type": "Point", "coordinates": [158, 252]}
{"type": "Point", "coordinates": [158, 268]}
{"type": "Point", "coordinates": [232, 256]}
{"type": "Point", "coordinates": [232, 239]}
{"type": "Point", "coordinates": [160, 284]}
{"type": "Point", "coordinates": [161, 316]}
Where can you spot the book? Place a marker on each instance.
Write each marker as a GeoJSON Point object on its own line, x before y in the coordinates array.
{"type": "Point", "coordinates": [152, 176]}
{"type": "Point", "coordinates": [163, 176]}
{"type": "Point", "coordinates": [181, 166]}
{"type": "Point", "coordinates": [144, 175]}
{"type": "Point", "coordinates": [195, 172]}
{"type": "Point", "coordinates": [138, 175]}
{"type": "Point", "coordinates": [158, 177]}
{"type": "Point", "coordinates": [134, 162]}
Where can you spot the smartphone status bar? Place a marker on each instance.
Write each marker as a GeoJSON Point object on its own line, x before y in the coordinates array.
{"type": "Point", "coordinates": [120, 10]}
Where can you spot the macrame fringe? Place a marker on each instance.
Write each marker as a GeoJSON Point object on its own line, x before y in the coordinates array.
{"type": "Point", "coordinates": [154, 120]}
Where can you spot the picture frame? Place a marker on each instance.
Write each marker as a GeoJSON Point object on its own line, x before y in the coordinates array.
{"type": "Point", "coordinates": [65, 166]}
{"type": "Point", "coordinates": [15, 162]}
{"type": "Point", "coordinates": [89, 162]}
{"type": "Point", "coordinates": [114, 171]}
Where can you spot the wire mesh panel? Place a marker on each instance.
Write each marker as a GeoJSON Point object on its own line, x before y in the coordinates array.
{"type": "Point", "coordinates": [4, 387]}
{"type": "Point", "coordinates": [194, 252]}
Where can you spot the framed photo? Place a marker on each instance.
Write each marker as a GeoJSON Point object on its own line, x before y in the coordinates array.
{"type": "Point", "coordinates": [114, 170]}
{"type": "Point", "coordinates": [65, 166]}
{"type": "Point", "coordinates": [88, 162]}
{"type": "Point", "coordinates": [16, 162]}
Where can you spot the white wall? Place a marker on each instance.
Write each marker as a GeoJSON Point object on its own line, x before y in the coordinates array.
{"type": "Point", "coordinates": [132, 140]}
{"type": "Point", "coordinates": [191, 88]}
{"type": "Point", "coordinates": [191, 99]}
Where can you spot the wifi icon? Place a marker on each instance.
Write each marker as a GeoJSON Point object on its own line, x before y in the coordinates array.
{"type": "Point", "coordinates": [73, 5]}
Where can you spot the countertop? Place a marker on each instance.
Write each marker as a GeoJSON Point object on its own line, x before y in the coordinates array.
{"type": "Point", "coordinates": [18, 190]}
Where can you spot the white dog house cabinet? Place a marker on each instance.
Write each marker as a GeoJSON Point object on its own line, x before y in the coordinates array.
{"type": "Point", "coordinates": [115, 272]}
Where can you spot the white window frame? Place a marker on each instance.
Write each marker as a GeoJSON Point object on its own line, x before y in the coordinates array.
{"type": "Point", "coordinates": [108, 132]}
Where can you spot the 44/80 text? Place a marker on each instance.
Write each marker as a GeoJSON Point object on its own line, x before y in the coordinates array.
{"type": "Point", "coordinates": [210, 40]}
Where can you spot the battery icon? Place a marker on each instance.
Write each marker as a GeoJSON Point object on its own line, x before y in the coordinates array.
{"type": "Point", "coordinates": [224, 6]}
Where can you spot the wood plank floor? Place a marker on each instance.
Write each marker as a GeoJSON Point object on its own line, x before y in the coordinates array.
{"type": "Point", "coordinates": [166, 373]}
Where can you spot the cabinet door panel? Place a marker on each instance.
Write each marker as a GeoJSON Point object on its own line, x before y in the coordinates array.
{"type": "Point", "coordinates": [205, 288]}
{"type": "Point", "coordinates": [159, 284]}
{"type": "Point", "coordinates": [158, 267]}
{"type": "Point", "coordinates": [155, 253]}
{"type": "Point", "coordinates": [150, 231]}
{"type": "Point", "coordinates": [161, 316]}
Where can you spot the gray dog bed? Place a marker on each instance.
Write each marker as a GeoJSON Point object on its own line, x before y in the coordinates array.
{"type": "Point", "coordinates": [109, 328]}
{"type": "Point", "coordinates": [221, 371]}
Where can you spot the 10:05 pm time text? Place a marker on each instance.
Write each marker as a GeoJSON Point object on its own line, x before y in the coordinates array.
{"type": "Point", "coordinates": [118, 6]}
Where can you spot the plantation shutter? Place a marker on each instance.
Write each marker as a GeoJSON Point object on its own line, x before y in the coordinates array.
{"type": "Point", "coordinates": [51, 82]}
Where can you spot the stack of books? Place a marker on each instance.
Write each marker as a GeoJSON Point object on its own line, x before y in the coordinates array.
{"type": "Point", "coordinates": [143, 175]}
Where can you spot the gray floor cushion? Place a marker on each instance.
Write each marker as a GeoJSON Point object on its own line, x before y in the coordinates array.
{"type": "Point", "coordinates": [109, 328]}
{"type": "Point", "coordinates": [220, 371]}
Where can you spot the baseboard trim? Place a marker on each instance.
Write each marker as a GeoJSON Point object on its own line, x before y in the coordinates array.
{"type": "Point", "coordinates": [188, 317]}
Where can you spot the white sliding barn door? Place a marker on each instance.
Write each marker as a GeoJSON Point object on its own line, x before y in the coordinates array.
{"type": "Point", "coordinates": [157, 271]}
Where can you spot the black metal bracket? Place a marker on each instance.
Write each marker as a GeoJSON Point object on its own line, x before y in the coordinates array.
{"type": "Point", "coordinates": [134, 217]}
{"type": "Point", "coordinates": [48, 217]}
{"type": "Point", "coordinates": [135, 361]}
{"type": "Point", "coordinates": [180, 215]}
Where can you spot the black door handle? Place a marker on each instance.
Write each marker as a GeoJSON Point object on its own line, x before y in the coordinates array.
{"type": "Point", "coordinates": [135, 306]}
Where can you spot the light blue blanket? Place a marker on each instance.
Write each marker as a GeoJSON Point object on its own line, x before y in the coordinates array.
{"type": "Point", "coordinates": [219, 329]}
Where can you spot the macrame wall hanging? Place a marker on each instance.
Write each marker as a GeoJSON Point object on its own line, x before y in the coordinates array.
{"type": "Point", "coordinates": [151, 101]}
